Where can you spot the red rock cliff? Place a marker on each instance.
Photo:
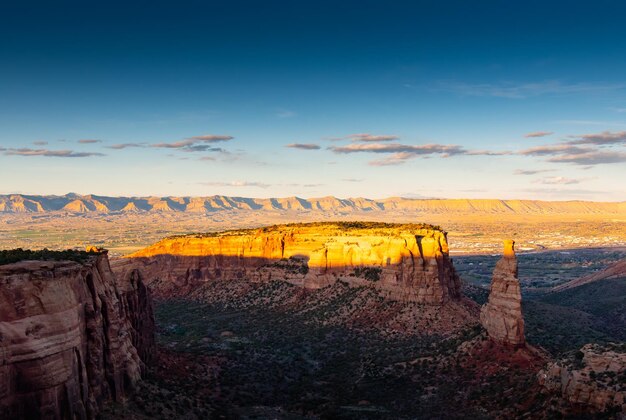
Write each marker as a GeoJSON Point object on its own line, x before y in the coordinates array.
{"type": "Point", "coordinates": [404, 262]}
{"type": "Point", "coordinates": [71, 337]}
{"type": "Point", "coordinates": [502, 314]}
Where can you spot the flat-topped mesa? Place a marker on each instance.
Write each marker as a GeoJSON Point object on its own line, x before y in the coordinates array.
{"type": "Point", "coordinates": [502, 314]}
{"type": "Point", "coordinates": [72, 336]}
{"type": "Point", "coordinates": [407, 262]}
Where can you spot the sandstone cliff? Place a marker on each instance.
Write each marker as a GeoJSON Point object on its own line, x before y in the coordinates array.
{"type": "Point", "coordinates": [502, 314]}
{"type": "Point", "coordinates": [71, 337]}
{"type": "Point", "coordinates": [403, 262]}
{"type": "Point", "coordinates": [593, 377]}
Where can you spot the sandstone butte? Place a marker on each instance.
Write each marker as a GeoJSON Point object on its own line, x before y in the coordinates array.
{"type": "Point", "coordinates": [72, 336]}
{"type": "Point", "coordinates": [502, 314]}
{"type": "Point", "coordinates": [406, 262]}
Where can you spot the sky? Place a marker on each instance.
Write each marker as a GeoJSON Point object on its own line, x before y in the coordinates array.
{"type": "Point", "coordinates": [447, 99]}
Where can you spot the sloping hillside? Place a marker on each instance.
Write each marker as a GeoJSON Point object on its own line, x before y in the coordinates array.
{"type": "Point", "coordinates": [613, 271]}
{"type": "Point", "coordinates": [566, 320]}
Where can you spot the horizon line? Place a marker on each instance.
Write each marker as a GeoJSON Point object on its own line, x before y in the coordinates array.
{"type": "Point", "coordinates": [306, 199]}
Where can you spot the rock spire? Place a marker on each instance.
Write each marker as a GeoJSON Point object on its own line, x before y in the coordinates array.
{"type": "Point", "coordinates": [502, 314]}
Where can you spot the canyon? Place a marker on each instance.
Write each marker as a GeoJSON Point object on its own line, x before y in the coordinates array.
{"type": "Point", "coordinates": [72, 337]}
{"type": "Point", "coordinates": [313, 319]}
{"type": "Point", "coordinates": [392, 279]}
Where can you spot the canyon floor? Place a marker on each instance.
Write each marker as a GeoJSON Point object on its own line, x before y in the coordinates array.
{"type": "Point", "coordinates": [274, 351]}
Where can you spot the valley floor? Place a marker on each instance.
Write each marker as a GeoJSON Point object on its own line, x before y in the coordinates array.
{"type": "Point", "coordinates": [472, 234]}
{"type": "Point", "coordinates": [259, 363]}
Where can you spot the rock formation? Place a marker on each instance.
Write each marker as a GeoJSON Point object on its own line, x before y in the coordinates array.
{"type": "Point", "coordinates": [404, 262]}
{"type": "Point", "coordinates": [71, 337]}
{"type": "Point", "coordinates": [593, 377]}
{"type": "Point", "coordinates": [502, 314]}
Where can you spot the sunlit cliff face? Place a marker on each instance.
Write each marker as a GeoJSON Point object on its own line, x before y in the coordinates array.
{"type": "Point", "coordinates": [406, 261]}
{"type": "Point", "coordinates": [321, 245]}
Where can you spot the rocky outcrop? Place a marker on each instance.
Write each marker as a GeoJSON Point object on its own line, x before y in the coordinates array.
{"type": "Point", "coordinates": [71, 337]}
{"type": "Point", "coordinates": [502, 314]}
{"type": "Point", "coordinates": [403, 262]}
{"type": "Point", "coordinates": [593, 377]}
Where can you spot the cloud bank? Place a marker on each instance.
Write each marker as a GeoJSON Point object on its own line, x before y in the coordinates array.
{"type": "Point", "coordinates": [303, 146]}
{"type": "Point", "coordinates": [536, 134]}
{"type": "Point", "coordinates": [25, 151]}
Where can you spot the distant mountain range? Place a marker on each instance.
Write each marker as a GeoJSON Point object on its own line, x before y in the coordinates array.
{"type": "Point", "coordinates": [74, 203]}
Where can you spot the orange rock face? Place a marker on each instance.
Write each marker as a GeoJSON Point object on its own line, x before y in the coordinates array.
{"type": "Point", "coordinates": [502, 314]}
{"type": "Point", "coordinates": [509, 249]}
{"type": "Point", "coordinates": [71, 337]}
{"type": "Point", "coordinates": [404, 262]}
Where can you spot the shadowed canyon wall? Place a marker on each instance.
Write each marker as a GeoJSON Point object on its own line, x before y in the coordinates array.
{"type": "Point", "coordinates": [404, 262]}
{"type": "Point", "coordinates": [71, 337]}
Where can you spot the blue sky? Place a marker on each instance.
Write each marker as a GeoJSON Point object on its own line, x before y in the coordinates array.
{"type": "Point", "coordinates": [484, 99]}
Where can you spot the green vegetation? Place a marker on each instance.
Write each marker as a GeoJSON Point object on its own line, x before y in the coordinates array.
{"type": "Point", "coordinates": [259, 356]}
{"type": "Point", "coordinates": [300, 364]}
{"type": "Point", "coordinates": [345, 226]}
{"type": "Point", "coordinates": [565, 321]}
{"type": "Point", "coordinates": [16, 255]}
{"type": "Point", "coordinates": [538, 272]}
{"type": "Point", "coordinates": [368, 273]}
{"type": "Point", "coordinates": [479, 295]}
{"type": "Point", "coordinates": [292, 265]}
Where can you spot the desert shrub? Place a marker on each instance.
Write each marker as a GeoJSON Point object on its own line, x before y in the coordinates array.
{"type": "Point", "coordinates": [16, 255]}
{"type": "Point", "coordinates": [368, 273]}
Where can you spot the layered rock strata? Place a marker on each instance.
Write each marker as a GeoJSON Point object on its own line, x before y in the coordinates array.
{"type": "Point", "coordinates": [502, 314]}
{"type": "Point", "coordinates": [593, 377]}
{"type": "Point", "coordinates": [404, 262]}
{"type": "Point", "coordinates": [71, 337]}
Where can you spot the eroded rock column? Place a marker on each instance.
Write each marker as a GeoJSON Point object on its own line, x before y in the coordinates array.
{"type": "Point", "coordinates": [502, 314]}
